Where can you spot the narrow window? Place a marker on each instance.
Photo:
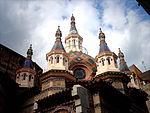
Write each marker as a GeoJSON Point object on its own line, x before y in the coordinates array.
{"type": "Point", "coordinates": [115, 61]}
{"type": "Point", "coordinates": [57, 59]}
{"type": "Point", "coordinates": [79, 44]}
{"type": "Point", "coordinates": [18, 76]}
{"type": "Point", "coordinates": [69, 43]}
{"type": "Point", "coordinates": [108, 61]}
{"type": "Point", "coordinates": [51, 60]}
{"type": "Point", "coordinates": [29, 77]}
{"type": "Point", "coordinates": [63, 61]}
{"type": "Point", "coordinates": [103, 62]}
{"type": "Point", "coordinates": [74, 43]}
{"type": "Point", "coordinates": [24, 76]}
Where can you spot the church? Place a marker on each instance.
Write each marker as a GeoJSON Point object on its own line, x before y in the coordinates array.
{"type": "Point", "coordinates": [75, 82]}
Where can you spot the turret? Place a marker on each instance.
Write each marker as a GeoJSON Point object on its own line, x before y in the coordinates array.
{"type": "Point", "coordinates": [105, 60]}
{"type": "Point", "coordinates": [123, 65]}
{"type": "Point", "coordinates": [57, 58]}
{"type": "Point", "coordinates": [124, 68]}
{"type": "Point", "coordinates": [107, 68]}
{"type": "Point", "coordinates": [73, 41]}
{"type": "Point", "coordinates": [26, 75]}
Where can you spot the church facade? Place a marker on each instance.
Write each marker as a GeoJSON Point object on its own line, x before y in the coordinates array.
{"type": "Point", "coordinates": [75, 82]}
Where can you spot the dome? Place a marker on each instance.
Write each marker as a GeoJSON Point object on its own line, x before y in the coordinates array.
{"type": "Point", "coordinates": [28, 64]}
{"type": "Point", "coordinates": [82, 63]}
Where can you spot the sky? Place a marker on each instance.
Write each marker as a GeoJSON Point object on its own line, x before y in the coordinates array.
{"type": "Point", "coordinates": [125, 24]}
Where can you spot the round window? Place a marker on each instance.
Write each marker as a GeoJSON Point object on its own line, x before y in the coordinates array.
{"type": "Point", "coordinates": [79, 73]}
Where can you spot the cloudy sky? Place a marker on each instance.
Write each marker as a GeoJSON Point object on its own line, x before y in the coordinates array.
{"type": "Point", "coordinates": [125, 24]}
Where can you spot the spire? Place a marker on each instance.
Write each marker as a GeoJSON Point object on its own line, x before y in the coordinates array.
{"type": "Point", "coordinates": [73, 29]}
{"type": "Point", "coordinates": [28, 61]}
{"type": "Point", "coordinates": [123, 65]}
{"type": "Point", "coordinates": [58, 46]}
{"type": "Point", "coordinates": [103, 44]}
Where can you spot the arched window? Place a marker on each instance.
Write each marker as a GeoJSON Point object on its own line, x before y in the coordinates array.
{"type": "Point", "coordinates": [79, 44]}
{"type": "Point", "coordinates": [74, 42]}
{"type": "Point", "coordinates": [63, 61]}
{"type": "Point", "coordinates": [108, 60]}
{"type": "Point", "coordinates": [24, 76]}
{"type": "Point", "coordinates": [102, 61]}
{"type": "Point", "coordinates": [69, 44]}
{"type": "Point", "coordinates": [51, 60]}
{"type": "Point", "coordinates": [18, 75]}
{"type": "Point", "coordinates": [29, 77]}
{"type": "Point", "coordinates": [115, 61]}
{"type": "Point", "coordinates": [57, 59]}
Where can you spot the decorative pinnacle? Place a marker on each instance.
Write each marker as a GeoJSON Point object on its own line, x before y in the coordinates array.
{"type": "Point", "coordinates": [101, 30]}
{"type": "Point", "coordinates": [72, 20]}
{"type": "Point", "coordinates": [119, 50]}
{"type": "Point", "coordinates": [101, 35]}
{"type": "Point", "coordinates": [58, 33]}
{"type": "Point", "coordinates": [30, 51]}
{"type": "Point", "coordinates": [120, 54]}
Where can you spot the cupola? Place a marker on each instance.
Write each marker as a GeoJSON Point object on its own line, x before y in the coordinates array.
{"type": "Point", "coordinates": [26, 75]}
{"type": "Point", "coordinates": [105, 60]}
{"type": "Point", "coordinates": [73, 41]}
{"type": "Point", "coordinates": [57, 58]}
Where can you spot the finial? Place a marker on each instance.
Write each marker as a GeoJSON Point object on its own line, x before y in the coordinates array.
{"type": "Point", "coordinates": [72, 20]}
{"type": "Point", "coordinates": [119, 50]}
{"type": "Point", "coordinates": [30, 46]}
{"type": "Point", "coordinates": [120, 54]}
{"type": "Point", "coordinates": [30, 51]}
{"type": "Point", "coordinates": [58, 33]}
{"type": "Point", "coordinates": [101, 35]}
{"type": "Point", "coordinates": [100, 30]}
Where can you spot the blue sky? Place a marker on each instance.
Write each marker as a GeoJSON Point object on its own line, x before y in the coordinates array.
{"type": "Point", "coordinates": [125, 24]}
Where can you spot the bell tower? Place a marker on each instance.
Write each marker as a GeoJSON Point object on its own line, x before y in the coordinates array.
{"type": "Point", "coordinates": [73, 41]}
{"type": "Point", "coordinates": [26, 75]}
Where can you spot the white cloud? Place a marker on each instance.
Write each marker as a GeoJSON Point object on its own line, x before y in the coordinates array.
{"type": "Point", "coordinates": [124, 28]}
{"type": "Point", "coordinates": [47, 16]}
{"type": "Point", "coordinates": [36, 22]}
{"type": "Point", "coordinates": [114, 14]}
